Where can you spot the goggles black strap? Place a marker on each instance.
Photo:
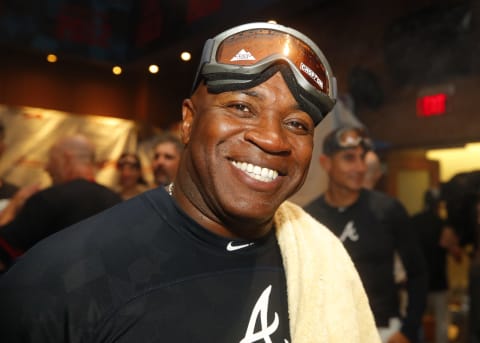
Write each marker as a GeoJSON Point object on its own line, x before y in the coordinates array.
{"type": "Point", "coordinates": [228, 82]}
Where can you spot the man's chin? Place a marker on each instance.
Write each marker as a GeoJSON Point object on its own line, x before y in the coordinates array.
{"type": "Point", "coordinates": [162, 182]}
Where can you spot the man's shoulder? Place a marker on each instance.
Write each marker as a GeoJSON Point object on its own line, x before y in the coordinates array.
{"type": "Point", "coordinates": [112, 233]}
{"type": "Point", "coordinates": [86, 185]}
{"type": "Point", "coordinates": [383, 205]}
{"type": "Point", "coordinates": [78, 189]}
{"type": "Point", "coordinates": [315, 204]}
{"type": "Point", "coordinates": [379, 199]}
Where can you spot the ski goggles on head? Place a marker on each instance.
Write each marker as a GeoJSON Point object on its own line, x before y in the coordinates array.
{"type": "Point", "coordinates": [247, 55]}
{"type": "Point", "coordinates": [346, 138]}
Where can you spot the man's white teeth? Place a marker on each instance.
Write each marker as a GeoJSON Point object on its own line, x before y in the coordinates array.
{"type": "Point", "coordinates": [256, 172]}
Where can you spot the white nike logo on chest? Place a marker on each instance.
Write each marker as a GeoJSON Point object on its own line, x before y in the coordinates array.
{"type": "Point", "coordinates": [232, 247]}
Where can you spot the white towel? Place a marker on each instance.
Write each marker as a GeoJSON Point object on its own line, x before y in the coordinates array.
{"type": "Point", "coordinates": [326, 299]}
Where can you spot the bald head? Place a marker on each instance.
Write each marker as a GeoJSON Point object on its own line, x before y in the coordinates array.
{"type": "Point", "coordinates": [78, 146]}
{"type": "Point", "coordinates": [70, 158]}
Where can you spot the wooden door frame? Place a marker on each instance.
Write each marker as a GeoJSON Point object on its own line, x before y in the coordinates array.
{"type": "Point", "coordinates": [396, 164]}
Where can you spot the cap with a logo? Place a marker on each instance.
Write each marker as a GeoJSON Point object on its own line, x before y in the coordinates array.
{"type": "Point", "coordinates": [346, 138]}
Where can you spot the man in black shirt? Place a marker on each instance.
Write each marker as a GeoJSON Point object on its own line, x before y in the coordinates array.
{"type": "Point", "coordinates": [73, 196]}
{"type": "Point", "coordinates": [372, 226]}
{"type": "Point", "coordinates": [220, 257]}
{"type": "Point", "coordinates": [436, 239]}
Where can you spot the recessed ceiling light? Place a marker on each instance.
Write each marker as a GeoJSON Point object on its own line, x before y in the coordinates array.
{"type": "Point", "coordinates": [117, 70]}
{"type": "Point", "coordinates": [186, 56]}
{"type": "Point", "coordinates": [153, 68]}
{"type": "Point", "coordinates": [52, 58]}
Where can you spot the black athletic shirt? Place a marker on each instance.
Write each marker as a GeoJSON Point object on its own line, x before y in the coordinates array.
{"type": "Point", "coordinates": [372, 229]}
{"type": "Point", "coordinates": [143, 271]}
{"type": "Point", "coordinates": [51, 210]}
{"type": "Point", "coordinates": [429, 226]}
{"type": "Point", "coordinates": [7, 189]}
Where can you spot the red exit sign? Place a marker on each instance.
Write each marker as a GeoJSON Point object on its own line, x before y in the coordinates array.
{"type": "Point", "coordinates": [432, 105]}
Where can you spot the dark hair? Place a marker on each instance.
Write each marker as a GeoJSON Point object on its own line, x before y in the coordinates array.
{"type": "Point", "coordinates": [169, 137]}
{"type": "Point", "coordinates": [136, 164]}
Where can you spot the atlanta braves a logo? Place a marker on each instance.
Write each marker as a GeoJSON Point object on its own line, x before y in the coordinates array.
{"type": "Point", "coordinates": [349, 232]}
{"type": "Point", "coordinates": [260, 312]}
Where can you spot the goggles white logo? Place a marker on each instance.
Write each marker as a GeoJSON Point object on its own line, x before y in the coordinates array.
{"type": "Point", "coordinates": [312, 74]}
{"type": "Point", "coordinates": [243, 55]}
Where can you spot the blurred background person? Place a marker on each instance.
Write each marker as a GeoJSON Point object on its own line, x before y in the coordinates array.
{"type": "Point", "coordinates": [166, 157]}
{"type": "Point", "coordinates": [474, 279]}
{"type": "Point", "coordinates": [372, 226]}
{"type": "Point", "coordinates": [373, 173]}
{"type": "Point", "coordinates": [130, 176]}
{"type": "Point", "coordinates": [436, 241]}
{"type": "Point", "coordinates": [374, 170]}
{"type": "Point", "coordinates": [73, 196]}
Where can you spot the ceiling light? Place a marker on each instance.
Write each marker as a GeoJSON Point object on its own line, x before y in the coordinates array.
{"type": "Point", "coordinates": [153, 68]}
{"type": "Point", "coordinates": [52, 58]}
{"type": "Point", "coordinates": [117, 70]}
{"type": "Point", "coordinates": [185, 56]}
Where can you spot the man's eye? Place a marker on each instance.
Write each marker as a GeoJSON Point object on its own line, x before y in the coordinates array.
{"type": "Point", "coordinates": [349, 158]}
{"type": "Point", "coordinates": [240, 107]}
{"type": "Point", "coordinates": [299, 126]}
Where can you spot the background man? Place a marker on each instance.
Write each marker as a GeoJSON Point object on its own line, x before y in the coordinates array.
{"type": "Point", "coordinates": [73, 196]}
{"type": "Point", "coordinates": [212, 259]}
{"type": "Point", "coordinates": [436, 240]}
{"type": "Point", "coordinates": [166, 157]}
{"type": "Point", "coordinates": [372, 226]}
{"type": "Point", "coordinates": [374, 170]}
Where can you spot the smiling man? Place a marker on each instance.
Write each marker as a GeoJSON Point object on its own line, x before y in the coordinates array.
{"type": "Point", "coordinates": [220, 255]}
{"type": "Point", "coordinates": [372, 227]}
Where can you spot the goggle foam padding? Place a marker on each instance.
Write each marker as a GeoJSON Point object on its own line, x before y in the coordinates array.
{"type": "Point", "coordinates": [228, 82]}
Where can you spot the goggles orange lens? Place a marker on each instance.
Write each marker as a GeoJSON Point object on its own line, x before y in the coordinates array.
{"type": "Point", "coordinates": [240, 56]}
{"type": "Point", "coordinates": [253, 46]}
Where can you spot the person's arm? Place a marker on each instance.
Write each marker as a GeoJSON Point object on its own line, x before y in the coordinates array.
{"type": "Point", "coordinates": [415, 266]}
{"type": "Point", "coordinates": [450, 241]}
{"type": "Point", "coordinates": [16, 203]}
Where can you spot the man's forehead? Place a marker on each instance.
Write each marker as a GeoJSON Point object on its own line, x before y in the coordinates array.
{"type": "Point", "coordinates": [351, 151]}
{"type": "Point", "coordinates": [165, 147]}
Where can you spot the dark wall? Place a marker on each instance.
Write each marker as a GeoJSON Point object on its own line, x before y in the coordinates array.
{"type": "Point", "coordinates": [81, 88]}
{"type": "Point", "coordinates": [352, 35]}
{"type": "Point", "coordinates": [29, 80]}
{"type": "Point", "coordinates": [397, 123]}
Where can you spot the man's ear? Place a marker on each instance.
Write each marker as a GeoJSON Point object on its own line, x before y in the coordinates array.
{"type": "Point", "coordinates": [188, 114]}
{"type": "Point", "coordinates": [325, 162]}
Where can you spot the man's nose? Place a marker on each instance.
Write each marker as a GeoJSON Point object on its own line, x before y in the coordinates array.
{"type": "Point", "coordinates": [270, 135]}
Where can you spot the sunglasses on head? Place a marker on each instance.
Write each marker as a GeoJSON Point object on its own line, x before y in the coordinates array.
{"type": "Point", "coordinates": [353, 137]}
{"type": "Point", "coordinates": [236, 59]}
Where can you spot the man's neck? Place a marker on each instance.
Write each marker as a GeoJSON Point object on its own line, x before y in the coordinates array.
{"type": "Point", "coordinates": [337, 197]}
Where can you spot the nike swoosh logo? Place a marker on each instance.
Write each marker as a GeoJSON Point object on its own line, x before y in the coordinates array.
{"type": "Point", "coordinates": [231, 247]}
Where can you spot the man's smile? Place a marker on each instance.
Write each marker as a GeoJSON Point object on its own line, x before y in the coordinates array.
{"type": "Point", "coordinates": [257, 172]}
